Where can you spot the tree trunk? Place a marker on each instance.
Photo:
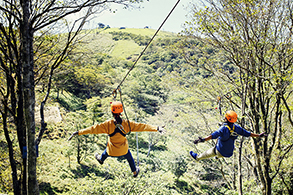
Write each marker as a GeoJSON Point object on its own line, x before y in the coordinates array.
{"type": "Point", "coordinates": [16, 186]}
{"type": "Point", "coordinates": [21, 130]}
{"type": "Point", "coordinates": [234, 173]}
{"type": "Point", "coordinates": [78, 151]}
{"type": "Point", "coordinates": [29, 97]}
{"type": "Point", "coordinates": [240, 167]}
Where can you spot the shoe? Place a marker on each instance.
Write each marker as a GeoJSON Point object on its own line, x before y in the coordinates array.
{"type": "Point", "coordinates": [194, 155]}
{"type": "Point", "coordinates": [98, 158]}
{"type": "Point", "coordinates": [136, 172]}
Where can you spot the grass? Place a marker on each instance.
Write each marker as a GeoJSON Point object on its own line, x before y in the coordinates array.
{"type": "Point", "coordinates": [100, 41]}
{"type": "Point", "coordinates": [125, 48]}
{"type": "Point", "coordinates": [97, 43]}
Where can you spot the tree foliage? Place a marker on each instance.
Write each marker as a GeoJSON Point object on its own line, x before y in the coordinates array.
{"type": "Point", "coordinates": [28, 54]}
{"type": "Point", "coordinates": [254, 38]}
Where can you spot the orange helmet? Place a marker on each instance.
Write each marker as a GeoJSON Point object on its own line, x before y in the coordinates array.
{"type": "Point", "coordinates": [231, 116]}
{"type": "Point", "coordinates": [116, 107]}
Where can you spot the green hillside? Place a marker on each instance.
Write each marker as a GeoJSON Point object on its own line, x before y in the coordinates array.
{"type": "Point", "coordinates": [101, 40]}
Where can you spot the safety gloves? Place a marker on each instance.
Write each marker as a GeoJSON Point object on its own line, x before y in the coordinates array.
{"type": "Point", "coordinates": [161, 129]}
{"type": "Point", "coordinates": [264, 134]}
{"type": "Point", "coordinates": [199, 140]}
{"type": "Point", "coordinates": [73, 134]}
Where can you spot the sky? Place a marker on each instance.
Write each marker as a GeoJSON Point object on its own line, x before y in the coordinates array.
{"type": "Point", "coordinates": [152, 14]}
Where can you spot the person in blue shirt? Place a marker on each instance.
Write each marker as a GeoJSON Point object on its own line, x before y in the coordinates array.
{"type": "Point", "coordinates": [226, 135]}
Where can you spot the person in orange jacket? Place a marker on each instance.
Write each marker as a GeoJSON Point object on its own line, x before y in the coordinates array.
{"type": "Point", "coordinates": [117, 130]}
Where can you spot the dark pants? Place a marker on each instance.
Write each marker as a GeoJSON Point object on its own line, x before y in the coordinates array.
{"type": "Point", "coordinates": [128, 157]}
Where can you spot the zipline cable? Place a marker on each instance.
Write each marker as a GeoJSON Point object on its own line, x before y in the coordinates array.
{"type": "Point", "coordinates": [118, 87]}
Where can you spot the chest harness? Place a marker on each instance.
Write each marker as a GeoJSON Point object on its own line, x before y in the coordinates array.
{"type": "Point", "coordinates": [233, 134]}
{"type": "Point", "coordinates": [118, 129]}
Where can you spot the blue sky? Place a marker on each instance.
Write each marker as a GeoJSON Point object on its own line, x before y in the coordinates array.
{"type": "Point", "coordinates": [152, 14]}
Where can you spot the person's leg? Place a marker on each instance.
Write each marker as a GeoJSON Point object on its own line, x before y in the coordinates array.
{"type": "Point", "coordinates": [102, 158]}
{"type": "Point", "coordinates": [218, 154]}
{"type": "Point", "coordinates": [104, 155]}
{"type": "Point", "coordinates": [207, 154]}
{"type": "Point", "coordinates": [130, 160]}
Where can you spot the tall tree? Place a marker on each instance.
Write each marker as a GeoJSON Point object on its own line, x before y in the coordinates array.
{"type": "Point", "coordinates": [21, 23]}
{"type": "Point", "coordinates": [253, 40]}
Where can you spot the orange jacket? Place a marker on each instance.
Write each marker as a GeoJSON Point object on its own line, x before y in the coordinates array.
{"type": "Point", "coordinates": [117, 144]}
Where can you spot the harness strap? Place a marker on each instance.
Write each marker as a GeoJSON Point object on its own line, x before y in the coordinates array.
{"type": "Point", "coordinates": [118, 129]}
{"type": "Point", "coordinates": [231, 130]}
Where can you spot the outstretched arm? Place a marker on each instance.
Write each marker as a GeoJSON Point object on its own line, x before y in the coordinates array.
{"type": "Point", "coordinates": [139, 127]}
{"type": "Point", "coordinates": [202, 139]}
{"type": "Point", "coordinates": [259, 135]}
{"type": "Point", "coordinates": [208, 138]}
{"type": "Point", "coordinates": [95, 129]}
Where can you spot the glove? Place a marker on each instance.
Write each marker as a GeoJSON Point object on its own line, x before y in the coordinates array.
{"type": "Point", "coordinates": [264, 134]}
{"type": "Point", "coordinates": [73, 134]}
{"type": "Point", "coordinates": [199, 140]}
{"type": "Point", "coordinates": [161, 129]}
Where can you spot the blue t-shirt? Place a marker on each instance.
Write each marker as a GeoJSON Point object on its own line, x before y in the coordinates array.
{"type": "Point", "coordinates": [226, 139]}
